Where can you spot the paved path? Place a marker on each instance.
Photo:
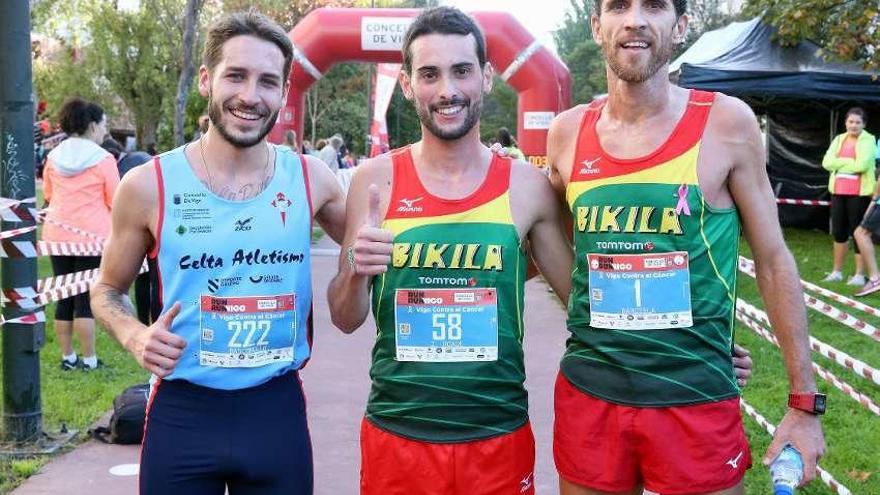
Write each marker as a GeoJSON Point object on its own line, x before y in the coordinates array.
{"type": "Point", "coordinates": [337, 382]}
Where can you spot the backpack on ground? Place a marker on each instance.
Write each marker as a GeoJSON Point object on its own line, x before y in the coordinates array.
{"type": "Point", "coordinates": [129, 414]}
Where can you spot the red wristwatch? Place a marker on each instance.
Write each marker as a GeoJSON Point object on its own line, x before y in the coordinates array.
{"type": "Point", "coordinates": [811, 402]}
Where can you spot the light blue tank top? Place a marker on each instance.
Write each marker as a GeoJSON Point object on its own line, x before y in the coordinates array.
{"type": "Point", "coordinates": [241, 271]}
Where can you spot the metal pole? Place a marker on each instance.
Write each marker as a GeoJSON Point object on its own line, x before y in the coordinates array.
{"type": "Point", "coordinates": [22, 409]}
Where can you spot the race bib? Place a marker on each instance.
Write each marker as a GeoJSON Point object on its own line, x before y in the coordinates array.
{"type": "Point", "coordinates": [246, 332]}
{"type": "Point", "coordinates": [446, 325]}
{"type": "Point", "coordinates": [640, 291]}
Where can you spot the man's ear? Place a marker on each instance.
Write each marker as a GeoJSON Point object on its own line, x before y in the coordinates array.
{"type": "Point", "coordinates": [595, 29]}
{"type": "Point", "coordinates": [405, 84]}
{"type": "Point", "coordinates": [284, 93]}
{"type": "Point", "coordinates": [204, 81]}
{"type": "Point", "coordinates": [488, 77]}
{"type": "Point", "coordinates": [679, 31]}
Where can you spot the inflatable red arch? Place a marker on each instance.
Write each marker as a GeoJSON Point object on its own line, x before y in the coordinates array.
{"type": "Point", "coordinates": [330, 35]}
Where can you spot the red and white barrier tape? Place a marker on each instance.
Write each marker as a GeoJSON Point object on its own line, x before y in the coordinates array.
{"type": "Point", "coordinates": [16, 232]}
{"type": "Point", "coordinates": [66, 279]}
{"type": "Point", "coordinates": [771, 429]}
{"type": "Point", "coordinates": [53, 289]}
{"type": "Point", "coordinates": [839, 384]}
{"type": "Point", "coordinates": [30, 319]}
{"type": "Point", "coordinates": [7, 203]}
{"type": "Point", "coordinates": [47, 248]}
{"type": "Point", "coordinates": [25, 249]}
{"type": "Point", "coordinates": [822, 348]}
{"type": "Point", "coordinates": [826, 309]}
{"type": "Point", "coordinates": [48, 296]}
{"type": "Point", "coordinates": [847, 389]}
{"type": "Point", "coordinates": [804, 202]}
{"type": "Point", "coordinates": [18, 211]}
{"type": "Point", "coordinates": [17, 249]}
{"type": "Point", "coordinates": [70, 228]}
{"type": "Point", "coordinates": [47, 284]}
{"type": "Point", "coordinates": [825, 292]}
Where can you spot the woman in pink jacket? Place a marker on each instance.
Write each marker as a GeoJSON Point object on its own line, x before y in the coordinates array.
{"type": "Point", "coordinates": [78, 185]}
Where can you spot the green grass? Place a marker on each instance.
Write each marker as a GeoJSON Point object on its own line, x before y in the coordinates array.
{"type": "Point", "coordinates": [75, 399]}
{"type": "Point", "coordinates": [852, 433]}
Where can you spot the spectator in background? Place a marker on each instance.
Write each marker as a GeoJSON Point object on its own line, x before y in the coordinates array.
{"type": "Point", "coordinates": [290, 140]}
{"type": "Point", "coordinates": [348, 160]}
{"type": "Point", "coordinates": [329, 154]}
{"type": "Point", "coordinates": [308, 149]}
{"type": "Point", "coordinates": [126, 161]}
{"type": "Point", "coordinates": [204, 121]}
{"type": "Point", "coordinates": [870, 225]}
{"type": "Point", "coordinates": [78, 185]}
{"type": "Point", "coordinates": [850, 159]}
{"type": "Point", "coordinates": [507, 141]}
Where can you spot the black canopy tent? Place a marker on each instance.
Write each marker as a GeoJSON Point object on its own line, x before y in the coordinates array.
{"type": "Point", "coordinates": [803, 97]}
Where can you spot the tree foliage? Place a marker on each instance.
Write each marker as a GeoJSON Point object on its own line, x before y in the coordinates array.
{"type": "Point", "coordinates": [847, 30]}
{"type": "Point", "coordinates": [135, 54]}
{"type": "Point", "coordinates": [286, 13]}
{"type": "Point", "coordinates": [499, 110]}
{"type": "Point", "coordinates": [337, 103]}
{"type": "Point", "coordinates": [575, 46]}
{"type": "Point", "coordinates": [703, 16]}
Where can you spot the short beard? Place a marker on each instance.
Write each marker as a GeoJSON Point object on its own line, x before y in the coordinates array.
{"type": "Point", "coordinates": [635, 76]}
{"type": "Point", "coordinates": [215, 115]}
{"type": "Point", "coordinates": [473, 116]}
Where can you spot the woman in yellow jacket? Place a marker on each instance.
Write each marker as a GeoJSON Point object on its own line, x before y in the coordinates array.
{"type": "Point", "coordinates": [850, 159]}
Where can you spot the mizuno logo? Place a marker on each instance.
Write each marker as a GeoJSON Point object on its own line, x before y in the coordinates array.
{"type": "Point", "coordinates": [735, 461]}
{"type": "Point", "coordinates": [526, 483]}
{"type": "Point", "coordinates": [587, 168]}
{"type": "Point", "coordinates": [408, 205]}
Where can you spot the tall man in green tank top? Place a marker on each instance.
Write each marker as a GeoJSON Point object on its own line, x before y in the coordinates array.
{"type": "Point", "coordinates": [658, 179]}
{"type": "Point", "coordinates": [436, 230]}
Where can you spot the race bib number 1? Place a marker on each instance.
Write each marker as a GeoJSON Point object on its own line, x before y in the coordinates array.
{"type": "Point", "coordinates": [640, 291]}
{"type": "Point", "coordinates": [246, 332]}
{"type": "Point", "coordinates": [446, 325]}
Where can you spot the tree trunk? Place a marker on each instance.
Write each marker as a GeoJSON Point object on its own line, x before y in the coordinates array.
{"type": "Point", "coordinates": [146, 132]}
{"type": "Point", "coordinates": [188, 70]}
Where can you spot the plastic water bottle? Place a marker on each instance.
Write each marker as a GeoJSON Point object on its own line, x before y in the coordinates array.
{"type": "Point", "coordinates": [786, 471]}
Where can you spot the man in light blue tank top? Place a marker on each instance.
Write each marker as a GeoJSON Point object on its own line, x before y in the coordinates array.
{"type": "Point", "coordinates": [225, 223]}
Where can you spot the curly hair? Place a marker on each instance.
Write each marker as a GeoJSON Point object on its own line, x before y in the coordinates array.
{"type": "Point", "coordinates": [76, 114]}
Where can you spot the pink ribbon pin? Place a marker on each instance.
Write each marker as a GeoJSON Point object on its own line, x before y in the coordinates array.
{"type": "Point", "coordinates": [682, 205]}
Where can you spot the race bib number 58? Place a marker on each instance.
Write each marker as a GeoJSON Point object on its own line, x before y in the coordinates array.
{"type": "Point", "coordinates": [446, 325]}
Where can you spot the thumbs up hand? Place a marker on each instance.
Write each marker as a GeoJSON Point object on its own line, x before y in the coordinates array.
{"type": "Point", "coordinates": [371, 252]}
{"type": "Point", "coordinates": [156, 349]}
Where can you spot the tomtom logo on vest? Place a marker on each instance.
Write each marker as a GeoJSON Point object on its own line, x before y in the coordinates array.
{"type": "Point", "coordinates": [628, 246]}
{"type": "Point", "coordinates": [446, 281]}
{"type": "Point", "coordinates": [408, 205]}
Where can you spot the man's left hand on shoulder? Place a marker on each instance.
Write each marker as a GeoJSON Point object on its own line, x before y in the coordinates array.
{"type": "Point", "coordinates": [803, 431]}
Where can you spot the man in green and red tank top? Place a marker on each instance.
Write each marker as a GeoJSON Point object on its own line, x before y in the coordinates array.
{"type": "Point", "coordinates": [658, 179]}
{"type": "Point", "coordinates": [436, 230]}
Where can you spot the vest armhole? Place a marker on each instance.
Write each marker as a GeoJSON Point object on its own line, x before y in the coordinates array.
{"type": "Point", "coordinates": [307, 186]}
{"type": "Point", "coordinates": [161, 216]}
{"type": "Point", "coordinates": [584, 126]}
{"type": "Point", "coordinates": [400, 159]}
